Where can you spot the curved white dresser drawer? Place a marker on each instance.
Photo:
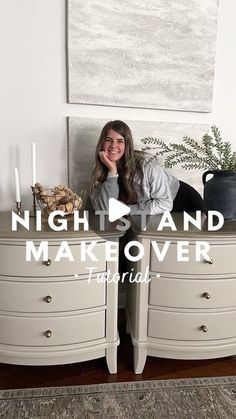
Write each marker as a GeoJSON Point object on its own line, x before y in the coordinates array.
{"type": "Point", "coordinates": [43, 297]}
{"type": "Point", "coordinates": [63, 330]}
{"type": "Point", "coordinates": [11, 253]}
{"type": "Point", "coordinates": [193, 267]}
{"type": "Point", "coordinates": [194, 293]}
{"type": "Point", "coordinates": [189, 326]}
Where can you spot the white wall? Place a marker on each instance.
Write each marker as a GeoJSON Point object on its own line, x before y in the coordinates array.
{"type": "Point", "coordinates": [33, 92]}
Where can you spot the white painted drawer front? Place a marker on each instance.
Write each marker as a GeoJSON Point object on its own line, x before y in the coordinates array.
{"type": "Point", "coordinates": [223, 257]}
{"type": "Point", "coordinates": [187, 326]}
{"type": "Point", "coordinates": [192, 293]}
{"type": "Point", "coordinates": [61, 296]}
{"type": "Point", "coordinates": [30, 331]}
{"type": "Point", "coordinates": [12, 262]}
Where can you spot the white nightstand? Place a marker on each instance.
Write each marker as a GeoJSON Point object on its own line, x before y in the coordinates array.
{"type": "Point", "coordinates": [189, 311]}
{"type": "Point", "coordinates": [49, 312]}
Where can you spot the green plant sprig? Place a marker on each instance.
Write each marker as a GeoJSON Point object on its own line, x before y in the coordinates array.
{"type": "Point", "coordinates": [211, 153]}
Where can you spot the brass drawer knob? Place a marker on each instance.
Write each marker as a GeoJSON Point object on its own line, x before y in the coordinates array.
{"type": "Point", "coordinates": [206, 295]}
{"type": "Point", "coordinates": [48, 333]}
{"type": "Point", "coordinates": [209, 261]}
{"type": "Point", "coordinates": [47, 262]}
{"type": "Point", "coordinates": [48, 299]}
{"type": "Point", "coordinates": [204, 328]}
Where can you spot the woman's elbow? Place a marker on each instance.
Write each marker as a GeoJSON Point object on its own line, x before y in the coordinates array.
{"type": "Point", "coordinates": [170, 206]}
{"type": "Point", "coordinates": [166, 205]}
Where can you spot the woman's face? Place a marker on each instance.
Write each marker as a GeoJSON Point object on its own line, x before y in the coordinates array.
{"type": "Point", "coordinates": [114, 145]}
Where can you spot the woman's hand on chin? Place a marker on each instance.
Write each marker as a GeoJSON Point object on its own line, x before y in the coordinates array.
{"type": "Point", "coordinates": [111, 165]}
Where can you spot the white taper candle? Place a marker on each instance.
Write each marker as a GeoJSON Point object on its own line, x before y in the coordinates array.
{"type": "Point", "coordinates": [17, 183]}
{"type": "Point", "coordinates": [33, 163]}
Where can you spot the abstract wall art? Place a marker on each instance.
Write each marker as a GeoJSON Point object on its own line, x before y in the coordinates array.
{"type": "Point", "coordinates": [156, 54]}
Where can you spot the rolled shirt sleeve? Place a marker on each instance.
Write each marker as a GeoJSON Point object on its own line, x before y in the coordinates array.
{"type": "Point", "coordinates": [157, 195]}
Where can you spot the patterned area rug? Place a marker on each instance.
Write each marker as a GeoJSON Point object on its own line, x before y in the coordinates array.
{"type": "Point", "coordinates": [200, 398]}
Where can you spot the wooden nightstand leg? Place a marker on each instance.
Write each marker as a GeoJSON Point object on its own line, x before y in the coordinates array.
{"type": "Point", "coordinates": [140, 355]}
{"type": "Point", "coordinates": [111, 358]}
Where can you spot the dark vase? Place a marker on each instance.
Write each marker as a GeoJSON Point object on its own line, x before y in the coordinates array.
{"type": "Point", "coordinates": [220, 192]}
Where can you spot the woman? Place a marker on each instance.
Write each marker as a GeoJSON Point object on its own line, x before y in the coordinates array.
{"type": "Point", "coordinates": [135, 178]}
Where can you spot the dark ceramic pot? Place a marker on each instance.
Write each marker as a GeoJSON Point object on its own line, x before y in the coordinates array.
{"type": "Point", "coordinates": [220, 192]}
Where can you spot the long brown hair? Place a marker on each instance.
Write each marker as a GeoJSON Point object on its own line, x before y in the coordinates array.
{"type": "Point", "coordinates": [130, 164]}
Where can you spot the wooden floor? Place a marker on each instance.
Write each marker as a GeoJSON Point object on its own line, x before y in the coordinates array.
{"type": "Point", "coordinates": [93, 372]}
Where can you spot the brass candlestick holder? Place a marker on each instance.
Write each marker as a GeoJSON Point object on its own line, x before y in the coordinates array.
{"type": "Point", "coordinates": [34, 206]}
{"type": "Point", "coordinates": [18, 207]}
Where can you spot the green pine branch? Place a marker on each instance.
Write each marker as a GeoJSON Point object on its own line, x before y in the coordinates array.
{"type": "Point", "coordinates": [211, 153]}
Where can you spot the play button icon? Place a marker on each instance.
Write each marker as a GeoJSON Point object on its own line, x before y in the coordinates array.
{"type": "Point", "coordinates": [117, 209]}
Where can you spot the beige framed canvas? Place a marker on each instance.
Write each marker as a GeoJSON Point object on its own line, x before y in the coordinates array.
{"type": "Point", "coordinates": [147, 54]}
